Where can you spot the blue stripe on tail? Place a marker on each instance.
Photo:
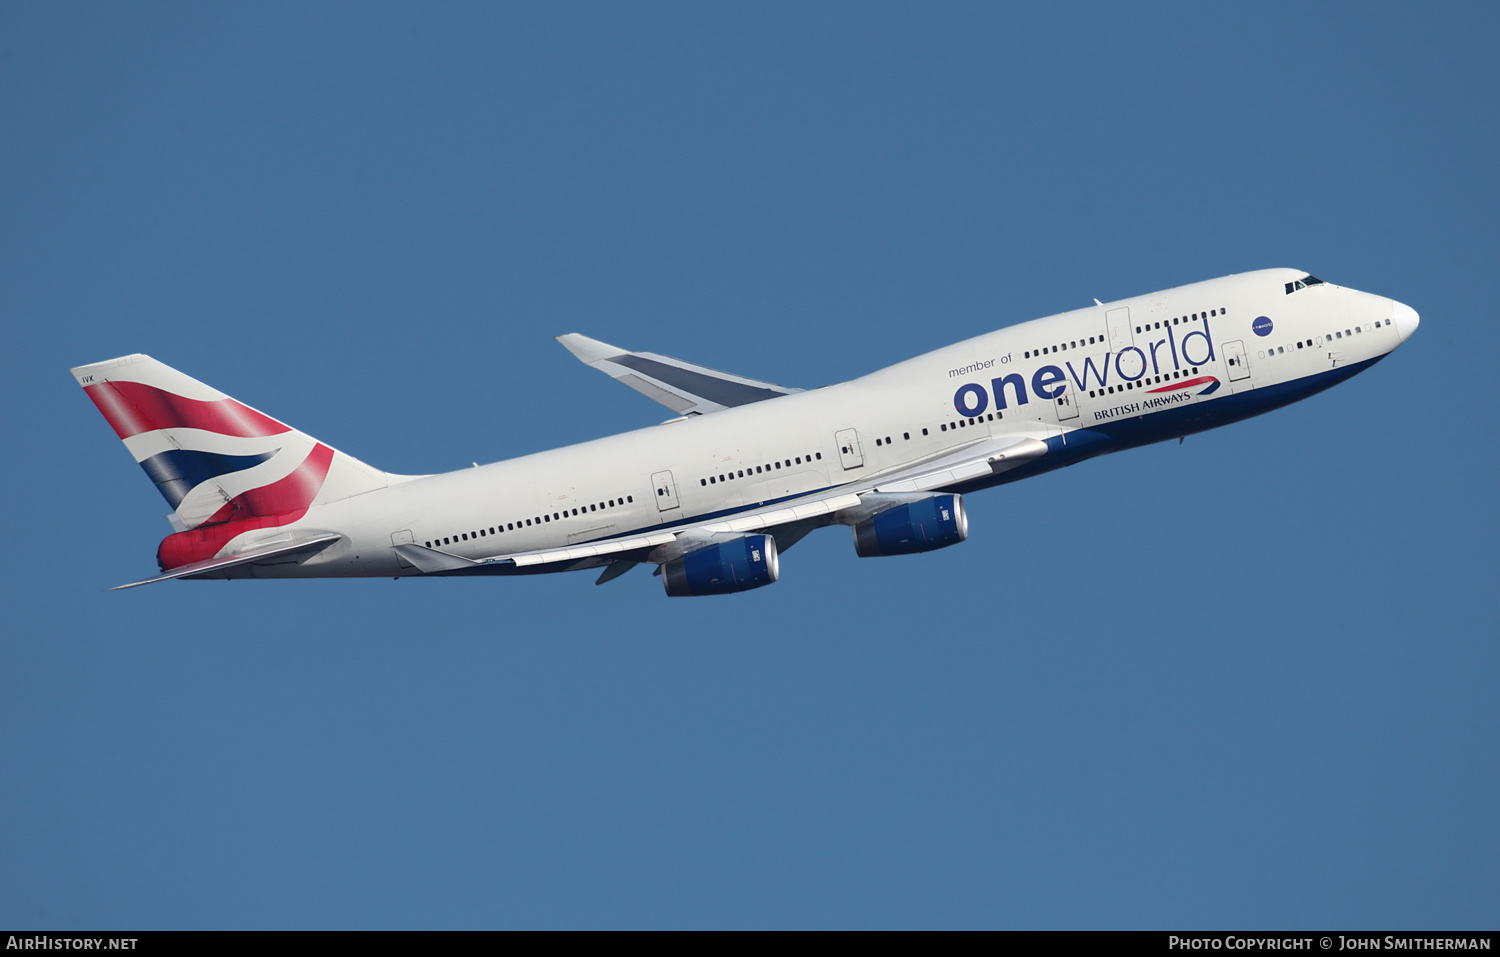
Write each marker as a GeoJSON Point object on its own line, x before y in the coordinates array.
{"type": "Point", "coordinates": [181, 470]}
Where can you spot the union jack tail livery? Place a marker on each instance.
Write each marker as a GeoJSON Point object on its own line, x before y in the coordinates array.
{"type": "Point", "coordinates": [225, 468]}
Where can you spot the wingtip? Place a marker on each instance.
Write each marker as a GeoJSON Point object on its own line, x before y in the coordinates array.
{"type": "Point", "coordinates": [588, 350]}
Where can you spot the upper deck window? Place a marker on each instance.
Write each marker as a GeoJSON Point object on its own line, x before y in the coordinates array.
{"type": "Point", "coordinates": [1302, 283]}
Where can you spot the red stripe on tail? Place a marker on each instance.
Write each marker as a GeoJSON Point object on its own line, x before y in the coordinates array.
{"type": "Point", "coordinates": [133, 407]}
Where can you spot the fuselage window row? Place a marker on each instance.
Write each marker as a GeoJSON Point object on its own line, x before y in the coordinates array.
{"type": "Point", "coordinates": [1096, 340]}
{"type": "Point", "coordinates": [755, 470]}
{"type": "Point", "coordinates": [1181, 320]}
{"type": "Point", "coordinates": [536, 520]}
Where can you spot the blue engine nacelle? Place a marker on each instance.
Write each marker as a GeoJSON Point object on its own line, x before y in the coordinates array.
{"type": "Point", "coordinates": [740, 565]}
{"type": "Point", "coordinates": [923, 526]}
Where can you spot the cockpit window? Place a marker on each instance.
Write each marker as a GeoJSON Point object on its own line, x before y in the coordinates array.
{"type": "Point", "coordinates": [1302, 283]}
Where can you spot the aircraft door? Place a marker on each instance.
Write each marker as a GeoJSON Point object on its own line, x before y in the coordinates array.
{"type": "Point", "coordinates": [1117, 321]}
{"type": "Point", "coordinates": [849, 453]}
{"type": "Point", "coordinates": [1067, 405]}
{"type": "Point", "coordinates": [666, 491]}
{"type": "Point", "coordinates": [1236, 361]}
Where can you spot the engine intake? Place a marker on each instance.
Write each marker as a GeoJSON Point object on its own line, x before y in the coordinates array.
{"type": "Point", "coordinates": [721, 569]}
{"type": "Point", "coordinates": [923, 526]}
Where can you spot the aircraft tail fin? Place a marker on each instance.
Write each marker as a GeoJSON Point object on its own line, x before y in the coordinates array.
{"type": "Point", "coordinates": [214, 459]}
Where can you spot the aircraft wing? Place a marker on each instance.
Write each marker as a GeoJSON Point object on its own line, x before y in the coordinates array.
{"type": "Point", "coordinates": [683, 387]}
{"type": "Point", "coordinates": [250, 556]}
{"type": "Point", "coordinates": [852, 502]}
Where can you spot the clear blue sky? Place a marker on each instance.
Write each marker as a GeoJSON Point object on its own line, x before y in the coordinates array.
{"type": "Point", "coordinates": [1244, 682]}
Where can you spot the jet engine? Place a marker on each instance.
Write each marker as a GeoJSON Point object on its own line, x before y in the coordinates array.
{"type": "Point", "coordinates": [920, 526]}
{"type": "Point", "coordinates": [738, 565]}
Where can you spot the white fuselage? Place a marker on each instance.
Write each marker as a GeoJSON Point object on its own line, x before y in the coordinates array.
{"type": "Point", "coordinates": [1114, 369]}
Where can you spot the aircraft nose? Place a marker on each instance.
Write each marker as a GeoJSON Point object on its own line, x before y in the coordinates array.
{"type": "Point", "coordinates": [1406, 319]}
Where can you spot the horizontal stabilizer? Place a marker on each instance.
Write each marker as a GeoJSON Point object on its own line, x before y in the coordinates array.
{"type": "Point", "coordinates": [684, 388]}
{"type": "Point", "coordinates": [248, 557]}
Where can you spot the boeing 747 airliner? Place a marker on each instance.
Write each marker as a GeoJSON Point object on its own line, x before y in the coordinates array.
{"type": "Point", "coordinates": [713, 496]}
